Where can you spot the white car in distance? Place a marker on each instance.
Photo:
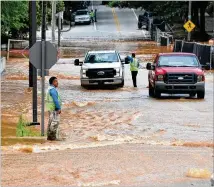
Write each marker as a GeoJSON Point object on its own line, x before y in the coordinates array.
{"type": "Point", "coordinates": [82, 16]}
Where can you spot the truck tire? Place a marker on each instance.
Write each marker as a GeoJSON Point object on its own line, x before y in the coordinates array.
{"type": "Point", "coordinates": [121, 84]}
{"type": "Point", "coordinates": [157, 94]}
{"type": "Point", "coordinates": [139, 25]}
{"type": "Point", "coordinates": [201, 94]}
{"type": "Point", "coordinates": [151, 90]}
{"type": "Point", "coordinates": [147, 27]}
{"type": "Point", "coordinates": [192, 94]}
{"type": "Point", "coordinates": [83, 86]}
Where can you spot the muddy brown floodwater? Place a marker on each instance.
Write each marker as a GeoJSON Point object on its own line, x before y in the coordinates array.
{"type": "Point", "coordinates": [147, 131]}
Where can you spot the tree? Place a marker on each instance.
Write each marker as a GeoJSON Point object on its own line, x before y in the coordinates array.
{"type": "Point", "coordinates": [15, 19]}
{"type": "Point", "coordinates": [174, 11]}
{"type": "Point", "coordinates": [14, 15]}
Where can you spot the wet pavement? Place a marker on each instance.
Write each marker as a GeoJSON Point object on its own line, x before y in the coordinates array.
{"type": "Point", "coordinates": [113, 136]}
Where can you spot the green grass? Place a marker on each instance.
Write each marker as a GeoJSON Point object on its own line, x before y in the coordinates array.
{"type": "Point", "coordinates": [22, 129]}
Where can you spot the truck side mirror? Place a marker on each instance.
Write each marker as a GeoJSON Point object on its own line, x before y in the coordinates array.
{"type": "Point", "coordinates": [148, 66]}
{"type": "Point", "coordinates": [206, 66]}
{"type": "Point", "coordinates": [126, 60]}
{"type": "Point", "coordinates": [76, 62]}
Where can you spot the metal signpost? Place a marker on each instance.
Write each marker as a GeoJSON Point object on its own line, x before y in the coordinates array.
{"type": "Point", "coordinates": [43, 55]}
{"type": "Point", "coordinates": [189, 25]}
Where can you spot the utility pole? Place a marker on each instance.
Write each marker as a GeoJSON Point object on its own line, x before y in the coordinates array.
{"type": "Point", "coordinates": [32, 69]}
{"type": "Point", "coordinates": [53, 20]}
{"type": "Point", "coordinates": [59, 28]}
{"type": "Point", "coordinates": [189, 18]}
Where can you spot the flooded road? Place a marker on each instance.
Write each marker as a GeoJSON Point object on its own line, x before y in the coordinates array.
{"type": "Point", "coordinates": [110, 125]}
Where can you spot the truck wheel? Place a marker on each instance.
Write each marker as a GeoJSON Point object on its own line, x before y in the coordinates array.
{"type": "Point", "coordinates": [121, 84]}
{"type": "Point", "coordinates": [192, 94]}
{"type": "Point", "coordinates": [157, 94]}
{"type": "Point", "coordinates": [151, 90]}
{"type": "Point", "coordinates": [84, 86]}
{"type": "Point", "coordinates": [201, 94]}
{"type": "Point", "coordinates": [147, 27]}
{"type": "Point", "coordinates": [139, 25]}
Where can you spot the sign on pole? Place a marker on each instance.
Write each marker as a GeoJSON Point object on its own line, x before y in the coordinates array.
{"type": "Point", "coordinates": [43, 55]}
{"type": "Point", "coordinates": [36, 55]}
{"type": "Point", "coordinates": [189, 26]}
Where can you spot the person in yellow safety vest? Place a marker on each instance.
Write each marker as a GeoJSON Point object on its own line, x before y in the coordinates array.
{"type": "Point", "coordinates": [53, 106]}
{"type": "Point", "coordinates": [134, 66]}
{"type": "Point", "coordinates": [92, 15]}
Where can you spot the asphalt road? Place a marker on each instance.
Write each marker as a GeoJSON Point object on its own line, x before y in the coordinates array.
{"type": "Point", "coordinates": [112, 24]}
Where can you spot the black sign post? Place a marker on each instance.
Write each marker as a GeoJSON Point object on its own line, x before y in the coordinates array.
{"type": "Point", "coordinates": [32, 69]}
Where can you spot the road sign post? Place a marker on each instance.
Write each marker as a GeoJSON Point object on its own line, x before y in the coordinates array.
{"type": "Point", "coordinates": [189, 18]}
{"type": "Point", "coordinates": [43, 55]}
{"type": "Point", "coordinates": [42, 66]}
{"type": "Point", "coordinates": [43, 87]}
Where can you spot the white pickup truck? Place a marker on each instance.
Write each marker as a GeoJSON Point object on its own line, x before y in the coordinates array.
{"type": "Point", "coordinates": [101, 68]}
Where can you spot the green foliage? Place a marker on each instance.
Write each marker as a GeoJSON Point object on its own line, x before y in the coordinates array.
{"type": "Point", "coordinates": [60, 6]}
{"type": "Point", "coordinates": [22, 129]}
{"type": "Point", "coordinates": [167, 10]}
{"type": "Point", "coordinates": [15, 15]}
{"type": "Point", "coordinates": [114, 3]}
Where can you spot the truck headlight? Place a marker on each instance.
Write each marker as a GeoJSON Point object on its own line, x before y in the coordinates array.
{"type": "Point", "coordinates": [84, 73]}
{"type": "Point", "coordinates": [160, 77]}
{"type": "Point", "coordinates": [200, 78]}
{"type": "Point", "coordinates": [117, 70]}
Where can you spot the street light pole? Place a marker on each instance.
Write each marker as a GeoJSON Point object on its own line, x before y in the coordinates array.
{"type": "Point", "coordinates": [59, 28]}
{"type": "Point", "coordinates": [189, 18]}
{"type": "Point", "coordinates": [53, 20]}
{"type": "Point", "coordinates": [32, 69]}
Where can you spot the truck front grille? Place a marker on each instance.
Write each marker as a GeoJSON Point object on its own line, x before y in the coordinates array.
{"type": "Point", "coordinates": [180, 78]}
{"type": "Point", "coordinates": [101, 73]}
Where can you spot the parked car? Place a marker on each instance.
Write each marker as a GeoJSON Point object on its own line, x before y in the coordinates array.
{"type": "Point", "coordinates": [100, 68]}
{"type": "Point", "coordinates": [176, 73]}
{"type": "Point", "coordinates": [82, 16]}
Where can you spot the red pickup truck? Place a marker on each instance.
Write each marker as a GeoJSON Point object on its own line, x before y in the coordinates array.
{"type": "Point", "coordinates": [176, 73]}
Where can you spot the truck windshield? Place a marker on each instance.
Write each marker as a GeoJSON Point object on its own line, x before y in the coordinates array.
{"type": "Point", "coordinates": [78, 13]}
{"type": "Point", "coordinates": [101, 58]}
{"type": "Point", "coordinates": [178, 61]}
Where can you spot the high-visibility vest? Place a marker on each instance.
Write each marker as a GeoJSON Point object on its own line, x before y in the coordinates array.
{"type": "Point", "coordinates": [134, 65]}
{"type": "Point", "coordinates": [92, 14]}
{"type": "Point", "coordinates": [49, 103]}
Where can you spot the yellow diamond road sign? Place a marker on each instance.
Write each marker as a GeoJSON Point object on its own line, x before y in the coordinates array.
{"type": "Point", "coordinates": [189, 26]}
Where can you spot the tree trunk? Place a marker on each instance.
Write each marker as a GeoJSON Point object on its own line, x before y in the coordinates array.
{"type": "Point", "coordinates": [195, 17]}
{"type": "Point", "coordinates": [202, 19]}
